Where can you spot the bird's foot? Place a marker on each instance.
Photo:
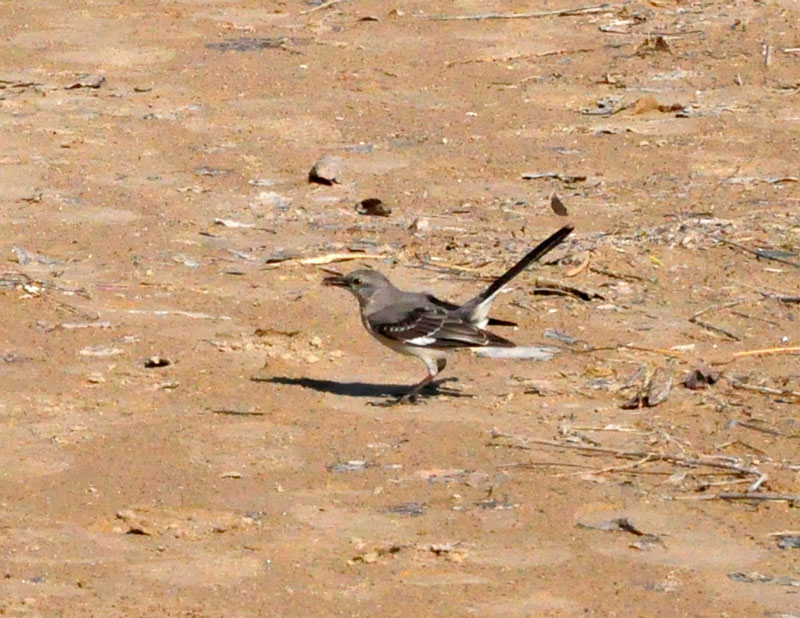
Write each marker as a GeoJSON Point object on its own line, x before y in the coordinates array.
{"type": "Point", "coordinates": [396, 401]}
{"type": "Point", "coordinates": [420, 394]}
{"type": "Point", "coordinates": [408, 398]}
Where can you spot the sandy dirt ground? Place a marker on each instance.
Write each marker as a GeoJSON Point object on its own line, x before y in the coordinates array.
{"type": "Point", "coordinates": [154, 202]}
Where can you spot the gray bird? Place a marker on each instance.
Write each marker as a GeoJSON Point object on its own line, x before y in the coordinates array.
{"type": "Point", "coordinates": [421, 325]}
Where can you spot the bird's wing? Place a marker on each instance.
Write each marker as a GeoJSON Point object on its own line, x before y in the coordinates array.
{"type": "Point", "coordinates": [446, 304]}
{"type": "Point", "coordinates": [430, 326]}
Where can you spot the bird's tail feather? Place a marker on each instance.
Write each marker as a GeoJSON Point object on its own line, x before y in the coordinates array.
{"type": "Point", "coordinates": [476, 311]}
{"type": "Point", "coordinates": [536, 253]}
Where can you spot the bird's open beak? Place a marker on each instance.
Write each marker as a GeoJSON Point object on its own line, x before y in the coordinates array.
{"type": "Point", "coordinates": [339, 282]}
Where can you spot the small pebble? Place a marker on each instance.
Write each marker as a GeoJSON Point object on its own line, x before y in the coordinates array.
{"type": "Point", "coordinates": [157, 361]}
{"type": "Point", "coordinates": [420, 224]}
{"type": "Point", "coordinates": [326, 170]}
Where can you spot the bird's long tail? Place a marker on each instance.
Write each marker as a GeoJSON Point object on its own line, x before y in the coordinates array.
{"type": "Point", "coordinates": [478, 307]}
{"type": "Point", "coordinates": [537, 252]}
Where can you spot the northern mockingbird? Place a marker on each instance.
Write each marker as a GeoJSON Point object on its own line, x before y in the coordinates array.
{"type": "Point", "coordinates": [421, 325]}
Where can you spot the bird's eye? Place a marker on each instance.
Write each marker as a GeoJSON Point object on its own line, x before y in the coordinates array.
{"type": "Point", "coordinates": [357, 281]}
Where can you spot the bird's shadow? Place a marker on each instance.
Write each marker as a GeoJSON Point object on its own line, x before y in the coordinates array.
{"type": "Point", "coordinates": [363, 389]}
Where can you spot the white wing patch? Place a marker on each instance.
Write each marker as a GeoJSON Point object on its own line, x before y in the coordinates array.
{"type": "Point", "coordinates": [421, 340]}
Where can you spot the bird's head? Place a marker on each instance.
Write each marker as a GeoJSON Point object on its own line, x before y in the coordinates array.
{"type": "Point", "coordinates": [364, 284]}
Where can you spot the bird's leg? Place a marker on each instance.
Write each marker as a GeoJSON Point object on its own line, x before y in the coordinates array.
{"type": "Point", "coordinates": [411, 395]}
{"type": "Point", "coordinates": [433, 371]}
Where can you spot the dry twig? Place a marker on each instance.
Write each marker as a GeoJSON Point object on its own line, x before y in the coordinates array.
{"type": "Point", "coordinates": [232, 412]}
{"type": "Point", "coordinates": [695, 318]}
{"type": "Point", "coordinates": [762, 389]}
{"type": "Point", "coordinates": [641, 348]}
{"type": "Point", "coordinates": [625, 468]}
{"type": "Point", "coordinates": [613, 275]}
{"type": "Point", "coordinates": [754, 427]}
{"type": "Point", "coordinates": [548, 286]}
{"type": "Point", "coordinates": [320, 7]}
{"type": "Point", "coordinates": [542, 464]}
{"type": "Point", "coordinates": [326, 259]}
{"type": "Point", "coordinates": [758, 254]}
{"type": "Point", "coordinates": [766, 351]}
{"type": "Point", "coordinates": [573, 272]}
{"type": "Point", "coordinates": [731, 303]}
{"type": "Point", "coordinates": [582, 10]}
{"type": "Point", "coordinates": [730, 495]}
{"type": "Point", "coordinates": [678, 460]}
{"type": "Point", "coordinates": [511, 57]}
{"type": "Point", "coordinates": [717, 329]}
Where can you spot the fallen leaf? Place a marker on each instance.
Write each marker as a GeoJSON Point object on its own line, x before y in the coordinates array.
{"type": "Point", "coordinates": [372, 557]}
{"type": "Point", "coordinates": [701, 377]}
{"type": "Point", "coordinates": [558, 206]}
{"type": "Point", "coordinates": [654, 389]}
{"type": "Point", "coordinates": [87, 81]}
{"type": "Point", "coordinates": [136, 523]}
{"type": "Point", "coordinates": [651, 104]}
{"type": "Point", "coordinates": [375, 207]}
{"type": "Point", "coordinates": [652, 45]}
{"type": "Point", "coordinates": [450, 551]}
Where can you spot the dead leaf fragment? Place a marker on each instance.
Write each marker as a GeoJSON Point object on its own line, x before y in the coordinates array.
{"type": "Point", "coordinates": [372, 557]}
{"type": "Point", "coordinates": [659, 388]}
{"type": "Point", "coordinates": [645, 541]}
{"type": "Point", "coordinates": [135, 523]}
{"type": "Point", "coordinates": [450, 551]}
{"type": "Point", "coordinates": [612, 79]}
{"type": "Point", "coordinates": [645, 104]}
{"type": "Point", "coordinates": [584, 264]}
{"type": "Point", "coordinates": [653, 45]}
{"type": "Point", "coordinates": [368, 558]}
{"type": "Point", "coordinates": [558, 206]}
{"type": "Point", "coordinates": [701, 377]}
{"type": "Point", "coordinates": [620, 524]}
{"type": "Point", "coordinates": [87, 81]}
{"type": "Point", "coordinates": [650, 104]}
{"type": "Point", "coordinates": [655, 389]}
{"type": "Point", "coordinates": [374, 207]}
